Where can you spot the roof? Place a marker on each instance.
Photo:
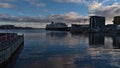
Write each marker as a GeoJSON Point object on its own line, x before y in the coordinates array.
{"type": "Point", "coordinates": [98, 16]}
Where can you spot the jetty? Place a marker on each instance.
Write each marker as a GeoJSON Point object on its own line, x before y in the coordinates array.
{"type": "Point", "coordinates": [9, 44]}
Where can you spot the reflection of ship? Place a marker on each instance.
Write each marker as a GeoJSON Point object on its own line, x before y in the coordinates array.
{"type": "Point", "coordinates": [9, 44]}
{"type": "Point", "coordinates": [116, 42]}
{"type": "Point", "coordinates": [57, 26]}
{"type": "Point", "coordinates": [96, 39]}
{"type": "Point", "coordinates": [56, 34]}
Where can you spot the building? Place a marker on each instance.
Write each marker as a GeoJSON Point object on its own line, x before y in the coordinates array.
{"type": "Point", "coordinates": [77, 28]}
{"type": "Point", "coordinates": [97, 22]}
{"type": "Point", "coordinates": [7, 27]}
{"type": "Point", "coordinates": [116, 20]}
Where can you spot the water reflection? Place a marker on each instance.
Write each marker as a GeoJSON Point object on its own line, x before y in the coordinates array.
{"type": "Point", "coordinates": [108, 54]}
{"type": "Point", "coordinates": [96, 39]}
{"type": "Point", "coordinates": [13, 59]}
{"type": "Point", "coordinates": [9, 63]}
{"type": "Point", "coordinates": [116, 41]}
{"type": "Point", "coordinates": [62, 38]}
{"type": "Point", "coordinates": [61, 34]}
{"type": "Point", "coordinates": [54, 49]}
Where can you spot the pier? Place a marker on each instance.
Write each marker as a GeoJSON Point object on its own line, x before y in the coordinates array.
{"type": "Point", "coordinates": [9, 44]}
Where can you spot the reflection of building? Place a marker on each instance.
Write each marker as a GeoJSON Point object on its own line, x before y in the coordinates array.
{"type": "Point", "coordinates": [96, 39]}
{"type": "Point", "coordinates": [116, 42]}
{"type": "Point", "coordinates": [97, 22]}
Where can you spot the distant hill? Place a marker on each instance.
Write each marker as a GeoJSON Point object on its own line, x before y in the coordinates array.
{"type": "Point", "coordinates": [13, 27]}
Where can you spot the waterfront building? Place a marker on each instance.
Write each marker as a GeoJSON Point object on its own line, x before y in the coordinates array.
{"type": "Point", "coordinates": [97, 22]}
{"type": "Point", "coordinates": [7, 27]}
{"type": "Point", "coordinates": [77, 28]}
{"type": "Point", "coordinates": [116, 20]}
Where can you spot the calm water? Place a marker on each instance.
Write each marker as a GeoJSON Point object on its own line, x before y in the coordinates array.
{"type": "Point", "coordinates": [54, 49]}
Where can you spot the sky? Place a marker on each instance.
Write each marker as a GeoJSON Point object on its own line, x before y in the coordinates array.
{"type": "Point", "coordinates": [60, 10]}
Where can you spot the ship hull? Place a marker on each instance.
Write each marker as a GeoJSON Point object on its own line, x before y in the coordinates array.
{"type": "Point", "coordinates": [58, 29]}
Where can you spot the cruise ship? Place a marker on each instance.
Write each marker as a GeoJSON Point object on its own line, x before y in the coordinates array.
{"type": "Point", "coordinates": [9, 44]}
{"type": "Point", "coordinates": [60, 26]}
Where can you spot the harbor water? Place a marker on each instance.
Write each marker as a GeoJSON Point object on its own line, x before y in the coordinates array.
{"type": "Point", "coordinates": [60, 49]}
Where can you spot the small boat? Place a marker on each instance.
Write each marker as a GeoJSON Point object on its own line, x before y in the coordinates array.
{"type": "Point", "coordinates": [57, 26]}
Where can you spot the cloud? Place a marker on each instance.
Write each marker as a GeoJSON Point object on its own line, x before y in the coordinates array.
{"type": "Point", "coordinates": [108, 11]}
{"type": "Point", "coordinates": [37, 3]}
{"type": "Point", "coordinates": [7, 0]}
{"type": "Point", "coordinates": [95, 5]}
{"type": "Point", "coordinates": [91, 4]}
{"type": "Point", "coordinates": [107, 8]}
{"type": "Point", "coordinates": [71, 17]}
{"type": "Point", "coordinates": [40, 4]}
{"type": "Point", "coordinates": [86, 2]}
{"type": "Point", "coordinates": [4, 15]}
{"type": "Point", "coordinates": [68, 1]}
{"type": "Point", "coordinates": [6, 5]}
